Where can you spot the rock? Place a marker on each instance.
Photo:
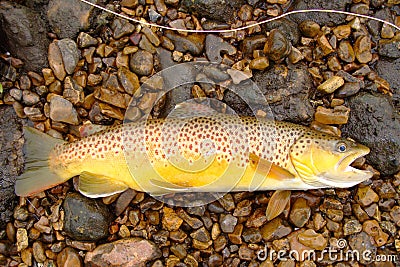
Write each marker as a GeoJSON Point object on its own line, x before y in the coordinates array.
{"type": "Point", "coordinates": [129, 252]}
{"type": "Point", "coordinates": [324, 45]}
{"type": "Point", "coordinates": [351, 227]}
{"type": "Point", "coordinates": [342, 31]}
{"type": "Point", "coordinates": [330, 85]}
{"type": "Point", "coordinates": [322, 19]}
{"type": "Point", "coordinates": [275, 229]}
{"type": "Point", "coordinates": [243, 208]}
{"type": "Point", "coordinates": [277, 46]}
{"type": "Point", "coordinates": [171, 221]}
{"type": "Point", "coordinates": [193, 43]}
{"type": "Point", "coordinates": [25, 34]}
{"type": "Point", "coordinates": [121, 27]}
{"type": "Point", "coordinates": [348, 89]}
{"type": "Point", "coordinates": [69, 257]}
{"type": "Point", "coordinates": [38, 252]}
{"type": "Point", "coordinates": [252, 43]}
{"type": "Point", "coordinates": [389, 48]}
{"type": "Point", "coordinates": [111, 97]}
{"type": "Point", "coordinates": [70, 54]}
{"type": "Point", "coordinates": [375, 123]}
{"type": "Point", "coordinates": [11, 156]}
{"type": "Point", "coordinates": [287, 95]}
{"type": "Point", "coordinates": [300, 213]}
{"type": "Point", "coordinates": [259, 63]}
{"type": "Point", "coordinates": [312, 239]}
{"type": "Point", "coordinates": [22, 239]}
{"type": "Point", "coordinates": [362, 49]}
{"type": "Point", "coordinates": [389, 70]}
{"type": "Point", "coordinates": [216, 46]}
{"type": "Point", "coordinates": [141, 63]}
{"type": "Point", "coordinates": [346, 52]}
{"type": "Point", "coordinates": [337, 115]}
{"type": "Point", "coordinates": [56, 61]}
{"type": "Point", "coordinates": [227, 223]}
{"type": "Point", "coordinates": [252, 235]}
{"type": "Point", "coordinates": [309, 28]}
{"type": "Point", "coordinates": [287, 27]}
{"type": "Point", "coordinates": [201, 235]}
{"type": "Point", "coordinates": [34, 114]}
{"type": "Point", "coordinates": [372, 228]}
{"type": "Point", "coordinates": [81, 214]}
{"type": "Point", "coordinates": [362, 243]}
{"type": "Point", "coordinates": [30, 98]}
{"type": "Point", "coordinates": [67, 18]}
{"type": "Point", "coordinates": [73, 92]}
{"type": "Point", "coordinates": [85, 40]}
{"type": "Point", "coordinates": [366, 196]}
{"type": "Point", "coordinates": [219, 10]}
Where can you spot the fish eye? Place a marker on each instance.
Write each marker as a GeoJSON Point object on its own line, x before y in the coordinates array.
{"type": "Point", "coordinates": [341, 147]}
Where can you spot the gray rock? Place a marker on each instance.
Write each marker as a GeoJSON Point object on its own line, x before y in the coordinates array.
{"type": "Point", "coordinates": [389, 48]}
{"type": "Point", "coordinates": [287, 96]}
{"type": "Point", "coordinates": [193, 43]}
{"type": "Point", "coordinates": [227, 223]}
{"type": "Point", "coordinates": [318, 17]}
{"type": "Point", "coordinates": [220, 10]}
{"type": "Point", "coordinates": [85, 219]}
{"type": "Point", "coordinates": [68, 17]}
{"type": "Point", "coordinates": [63, 111]}
{"type": "Point", "coordinates": [215, 46]}
{"type": "Point", "coordinates": [25, 34]}
{"type": "Point", "coordinates": [141, 63]}
{"type": "Point", "coordinates": [121, 27]}
{"type": "Point", "coordinates": [11, 158]}
{"type": "Point", "coordinates": [362, 243]}
{"type": "Point", "coordinates": [375, 123]}
{"type": "Point", "coordinates": [389, 70]}
{"type": "Point", "coordinates": [70, 54]}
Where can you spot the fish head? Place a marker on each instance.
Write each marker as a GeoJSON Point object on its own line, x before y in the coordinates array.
{"type": "Point", "coordinates": [323, 160]}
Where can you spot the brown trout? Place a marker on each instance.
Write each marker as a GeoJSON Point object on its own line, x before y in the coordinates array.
{"type": "Point", "coordinates": [209, 153]}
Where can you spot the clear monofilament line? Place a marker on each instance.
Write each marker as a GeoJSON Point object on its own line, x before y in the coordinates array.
{"type": "Point", "coordinates": [244, 27]}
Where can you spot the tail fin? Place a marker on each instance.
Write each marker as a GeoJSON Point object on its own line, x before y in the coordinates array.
{"type": "Point", "coordinates": [37, 175]}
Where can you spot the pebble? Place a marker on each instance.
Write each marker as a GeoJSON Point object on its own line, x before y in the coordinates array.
{"type": "Point", "coordinates": [215, 46]}
{"type": "Point", "coordinates": [121, 27]}
{"type": "Point", "coordinates": [22, 239]}
{"type": "Point", "coordinates": [260, 63]}
{"type": "Point", "coordinates": [141, 63]}
{"type": "Point", "coordinates": [337, 115]}
{"type": "Point", "coordinates": [362, 49]}
{"type": "Point", "coordinates": [372, 228]}
{"type": "Point", "coordinates": [56, 61]}
{"type": "Point", "coordinates": [324, 45]}
{"type": "Point", "coordinates": [245, 253]}
{"type": "Point", "coordinates": [275, 229]}
{"type": "Point", "coordinates": [252, 235]}
{"type": "Point", "coordinates": [309, 28]}
{"type": "Point", "coordinates": [342, 31]}
{"type": "Point", "coordinates": [63, 111]}
{"type": "Point", "coordinates": [300, 213]}
{"type": "Point", "coordinates": [24, 82]}
{"type": "Point", "coordinates": [256, 219]}
{"type": "Point", "coordinates": [37, 79]}
{"type": "Point", "coordinates": [362, 242]}
{"type": "Point", "coordinates": [179, 250]}
{"type": "Point", "coordinates": [34, 114]}
{"type": "Point", "coordinates": [312, 239]}
{"type": "Point", "coordinates": [129, 252]}
{"type": "Point", "coordinates": [70, 54]}
{"type": "Point", "coordinates": [85, 40]}
{"type": "Point", "coordinates": [235, 236]}
{"type": "Point", "coordinates": [73, 92]}
{"type": "Point", "coordinates": [193, 222]}
{"type": "Point", "coordinates": [81, 213]}
{"type": "Point", "coordinates": [277, 46]}
{"type": "Point", "coordinates": [151, 36]}
{"type": "Point", "coordinates": [111, 97]}
{"type": "Point", "coordinates": [243, 208]}
{"type": "Point", "coordinates": [366, 196]}
{"type": "Point", "coordinates": [146, 45]}
{"type": "Point", "coordinates": [351, 227]}
{"type": "Point", "coordinates": [124, 200]}
{"type": "Point", "coordinates": [331, 85]}
{"type": "Point", "coordinates": [227, 223]}
{"type": "Point", "coordinates": [193, 43]}
{"type": "Point", "coordinates": [215, 260]}
{"type": "Point", "coordinates": [170, 220]}
{"type": "Point", "coordinates": [253, 43]}
{"type": "Point", "coordinates": [38, 252]}
{"type": "Point", "coordinates": [69, 257]}
{"type": "Point", "coordinates": [20, 214]}
{"type": "Point", "coordinates": [201, 234]}
{"type": "Point", "coordinates": [348, 89]}
{"type": "Point", "coordinates": [389, 48]}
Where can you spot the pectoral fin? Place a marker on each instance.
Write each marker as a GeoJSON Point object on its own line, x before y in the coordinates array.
{"type": "Point", "coordinates": [93, 185]}
{"type": "Point", "coordinates": [277, 204]}
{"type": "Point", "coordinates": [269, 169]}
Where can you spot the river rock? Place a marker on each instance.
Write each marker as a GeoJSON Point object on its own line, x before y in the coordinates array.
{"type": "Point", "coordinates": [129, 252]}
{"type": "Point", "coordinates": [193, 43]}
{"type": "Point", "coordinates": [277, 46]}
{"type": "Point", "coordinates": [375, 123]}
{"type": "Point", "coordinates": [389, 70]}
{"type": "Point", "coordinates": [220, 10]}
{"type": "Point", "coordinates": [363, 243]}
{"type": "Point", "coordinates": [287, 27]}
{"type": "Point", "coordinates": [69, 257]}
{"type": "Point", "coordinates": [141, 63]}
{"type": "Point", "coordinates": [85, 219]}
{"type": "Point", "coordinates": [319, 17]}
{"type": "Point", "coordinates": [389, 48]}
{"type": "Point", "coordinates": [215, 46]}
{"type": "Point", "coordinates": [12, 157]}
{"type": "Point", "coordinates": [25, 34]}
{"type": "Point", "coordinates": [70, 54]}
{"type": "Point", "coordinates": [68, 17]}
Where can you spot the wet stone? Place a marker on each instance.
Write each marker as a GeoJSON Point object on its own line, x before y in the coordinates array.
{"type": "Point", "coordinates": [38, 252]}
{"type": "Point", "coordinates": [259, 63]}
{"type": "Point", "coordinates": [257, 219]}
{"type": "Point", "coordinates": [130, 252]}
{"type": "Point", "coordinates": [300, 212]}
{"type": "Point", "coordinates": [69, 257]}
{"type": "Point", "coordinates": [348, 89]}
{"type": "Point", "coordinates": [146, 45]}
{"type": "Point", "coordinates": [337, 115]}
{"type": "Point", "coordinates": [243, 208]}
{"type": "Point", "coordinates": [179, 251]}
{"type": "Point", "coordinates": [215, 260]}
{"type": "Point", "coordinates": [121, 27]}
{"type": "Point", "coordinates": [331, 85]}
{"type": "Point", "coordinates": [252, 235]}
{"type": "Point", "coordinates": [56, 61]}
{"type": "Point", "coordinates": [351, 227]}
{"type": "Point", "coordinates": [141, 63]}
{"type": "Point", "coordinates": [362, 49]}
{"type": "Point", "coordinates": [324, 44]}
{"type": "Point", "coordinates": [227, 223]}
{"type": "Point", "coordinates": [366, 196]}
{"type": "Point", "coordinates": [389, 48]}
{"type": "Point", "coordinates": [235, 236]}
{"type": "Point", "coordinates": [312, 239]}
{"type": "Point", "coordinates": [171, 221]}
{"type": "Point", "coordinates": [362, 242]}
{"type": "Point", "coordinates": [193, 43]}
{"type": "Point", "coordinates": [22, 239]}
{"type": "Point", "coordinates": [277, 46]}
{"type": "Point", "coordinates": [215, 46]}
{"type": "Point", "coordinates": [309, 28]}
{"type": "Point", "coordinates": [151, 36]}
{"type": "Point", "coordinates": [201, 235]}
{"type": "Point", "coordinates": [30, 98]}
{"type": "Point", "coordinates": [372, 228]}
{"type": "Point", "coordinates": [85, 40]}
{"type": "Point", "coordinates": [63, 111]}
{"type": "Point", "coordinates": [81, 214]}
{"type": "Point", "coordinates": [25, 83]}
{"type": "Point", "coordinates": [111, 97]}
{"type": "Point", "coordinates": [245, 253]}
{"type": "Point", "coordinates": [72, 91]}
{"type": "Point", "coordinates": [70, 54]}
{"type": "Point", "coordinates": [275, 229]}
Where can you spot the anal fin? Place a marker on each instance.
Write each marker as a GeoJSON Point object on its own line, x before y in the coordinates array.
{"type": "Point", "coordinates": [94, 185]}
{"type": "Point", "coordinates": [277, 204]}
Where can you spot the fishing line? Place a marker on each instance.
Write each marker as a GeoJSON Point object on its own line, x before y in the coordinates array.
{"type": "Point", "coordinates": [244, 27]}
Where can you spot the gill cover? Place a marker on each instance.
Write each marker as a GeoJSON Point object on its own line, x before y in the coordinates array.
{"type": "Point", "coordinates": [322, 160]}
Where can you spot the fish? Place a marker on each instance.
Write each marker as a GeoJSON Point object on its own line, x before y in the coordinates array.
{"type": "Point", "coordinates": [196, 150]}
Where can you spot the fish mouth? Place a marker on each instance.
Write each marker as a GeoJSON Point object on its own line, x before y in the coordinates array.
{"type": "Point", "coordinates": [346, 175]}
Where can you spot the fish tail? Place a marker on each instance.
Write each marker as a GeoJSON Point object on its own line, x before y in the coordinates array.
{"type": "Point", "coordinates": [37, 175]}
